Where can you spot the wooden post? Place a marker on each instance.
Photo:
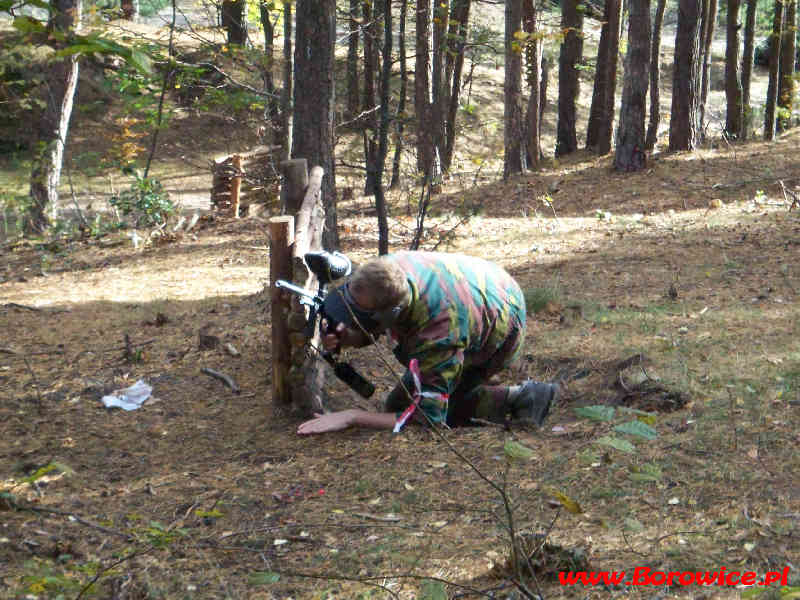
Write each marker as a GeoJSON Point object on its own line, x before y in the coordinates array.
{"type": "Point", "coordinates": [298, 373]}
{"type": "Point", "coordinates": [281, 242]}
{"type": "Point", "coordinates": [294, 184]}
{"type": "Point", "coordinates": [236, 184]}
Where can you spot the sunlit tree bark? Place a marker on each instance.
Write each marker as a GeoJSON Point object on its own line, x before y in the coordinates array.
{"type": "Point", "coordinates": [533, 60]}
{"type": "Point", "coordinates": [514, 161]}
{"type": "Point", "coordinates": [655, 78]}
{"type": "Point", "coordinates": [630, 155]}
{"type": "Point", "coordinates": [601, 114]}
{"type": "Point", "coordinates": [733, 84]}
{"type": "Point", "coordinates": [568, 82]}
{"type": "Point", "coordinates": [774, 71]}
{"type": "Point", "coordinates": [747, 66]}
{"type": "Point", "coordinates": [684, 124]}
{"type": "Point", "coordinates": [786, 80]}
{"type": "Point", "coordinates": [312, 134]}
{"type": "Point", "coordinates": [52, 126]}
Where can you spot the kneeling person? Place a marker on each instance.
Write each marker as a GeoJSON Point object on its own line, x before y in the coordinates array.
{"type": "Point", "coordinates": [463, 320]}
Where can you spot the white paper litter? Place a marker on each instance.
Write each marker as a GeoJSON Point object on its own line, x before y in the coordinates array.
{"type": "Point", "coordinates": [129, 398]}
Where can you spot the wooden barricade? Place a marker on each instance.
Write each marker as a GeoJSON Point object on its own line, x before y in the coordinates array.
{"type": "Point", "coordinates": [297, 371]}
{"type": "Point", "coordinates": [242, 180]}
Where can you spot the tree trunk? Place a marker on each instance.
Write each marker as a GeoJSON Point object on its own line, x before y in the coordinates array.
{"type": "Point", "coordinates": [774, 71]}
{"type": "Point", "coordinates": [285, 140]}
{"type": "Point", "coordinates": [439, 94]}
{"type": "Point", "coordinates": [684, 123]}
{"type": "Point", "coordinates": [543, 87]}
{"type": "Point", "coordinates": [369, 122]}
{"type": "Point", "coordinates": [383, 133]}
{"type": "Point", "coordinates": [368, 102]}
{"type": "Point", "coordinates": [53, 125]}
{"type": "Point", "coordinates": [708, 23]}
{"type": "Point", "coordinates": [786, 83]}
{"type": "Point", "coordinates": [130, 9]}
{"type": "Point", "coordinates": [512, 93]}
{"type": "Point", "coordinates": [401, 102]}
{"type": "Point", "coordinates": [733, 84]}
{"type": "Point", "coordinates": [747, 67]}
{"type": "Point", "coordinates": [655, 78]}
{"type": "Point", "coordinates": [568, 82]}
{"type": "Point", "coordinates": [533, 59]}
{"type": "Point", "coordinates": [459, 32]}
{"type": "Point", "coordinates": [352, 61]}
{"type": "Point", "coordinates": [233, 21]}
{"type": "Point", "coordinates": [269, 56]}
{"type": "Point", "coordinates": [422, 101]}
{"type": "Point", "coordinates": [312, 136]}
{"type": "Point", "coordinates": [630, 155]}
{"type": "Point", "coordinates": [601, 114]}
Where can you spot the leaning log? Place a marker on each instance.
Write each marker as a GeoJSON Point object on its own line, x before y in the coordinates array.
{"type": "Point", "coordinates": [307, 373]}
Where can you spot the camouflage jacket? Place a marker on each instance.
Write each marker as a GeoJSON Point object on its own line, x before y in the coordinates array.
{"type": "Point", "coordinates": [461, 312]}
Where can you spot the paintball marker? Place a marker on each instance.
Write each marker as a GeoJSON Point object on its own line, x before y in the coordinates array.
{"type": "Point", "coordinates": [328, 267]}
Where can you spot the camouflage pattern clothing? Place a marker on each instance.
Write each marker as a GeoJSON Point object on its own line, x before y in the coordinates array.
{"type": "Point", "coordinates": [465, 322]}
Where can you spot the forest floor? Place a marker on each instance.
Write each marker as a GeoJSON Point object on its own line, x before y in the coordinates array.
{"type": "Point", "coordinates": [671, 295]}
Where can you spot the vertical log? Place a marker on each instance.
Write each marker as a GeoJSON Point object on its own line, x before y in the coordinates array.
{"type": "Point", "coordinates": [281, 240]}
{"type": "Point", "coordinates": [236, 184]}
{"type": "Point", "coordinates": [307, 374]}
{"type": "Point", "coordinates": [293, 187]}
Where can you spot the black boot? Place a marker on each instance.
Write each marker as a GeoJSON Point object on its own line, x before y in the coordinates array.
{"type": "Point", "coordinates": [533, 402]}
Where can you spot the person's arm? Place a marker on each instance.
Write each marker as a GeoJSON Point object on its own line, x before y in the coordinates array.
{"type": "Point", "coordinates": [345, 337]}
{"type": "Point", "coordinates": [336, 421]}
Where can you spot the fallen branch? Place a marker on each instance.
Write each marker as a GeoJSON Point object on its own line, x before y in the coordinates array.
{"type": "Point", "coordinates": [21, 307]}
{"type": "Point", "coordinates": [55, 311]}
{"type": "Point", "coordinates": [486, 423]}
{"type": "Point", "coordinates": [73, 517]}
{"type": "Point", "coordinates": [105, 570]}
{"type": "Point", "coordinates": [226, 379]}
{"type": "Point", "coordinates": [386, 519]}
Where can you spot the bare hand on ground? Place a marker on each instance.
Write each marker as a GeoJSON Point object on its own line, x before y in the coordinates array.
{"type": "Point", "coordinates": [323, 423]}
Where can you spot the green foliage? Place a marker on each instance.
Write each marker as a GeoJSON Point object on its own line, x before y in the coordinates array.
{"type": "Point", "coordinates": [617, 443]}
{"type": "Point", "coordinates": [598, 412]}
{"type": "Point", "coordinates": [159, 536]}
{"type": "Point", "coordinates": [48, 468]}
{"type": "Point", "coordinates": [146, 201]}
{"type": "Point", "coordinates": [57, 578]}
{"type": "Point", "coordinates": [638, 429]}
{"type": "Point", "coordinates": [148, 8]}
{"type": "Point", "coordinates": [433, 590]}
{"type": "Point", "coordinates": [538, 298]}
{"type": "Point", "coordinates": [516, 451]}
{"type": "Point", "coordinates": [646, 472]}
{"type": "Point", "coordinates": [21, 74]}
{"type": "Point", "coordinates": [263, 578]}
{"type": "Point", "coordinates": [641, 427]}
